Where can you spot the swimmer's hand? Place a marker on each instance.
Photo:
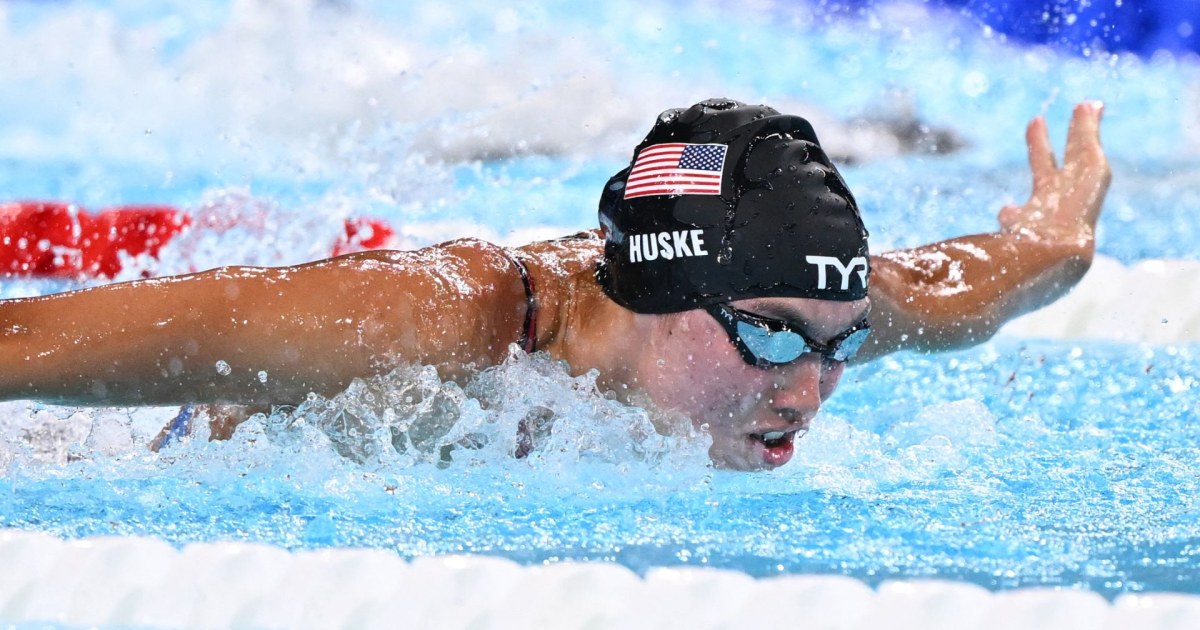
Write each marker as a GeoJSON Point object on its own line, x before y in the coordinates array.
{"type": "Point", "coordinates": [959, 292]}
{"type": "Point", "coordinates": [1066, 201]}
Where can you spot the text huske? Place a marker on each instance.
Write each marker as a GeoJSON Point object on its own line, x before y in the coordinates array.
{"type": "Point", "coordinates": [669, 245]}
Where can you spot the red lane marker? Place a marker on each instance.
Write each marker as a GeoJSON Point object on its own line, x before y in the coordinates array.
{"type": "Point", "coordinates": [56, 239]}
{"type": "Point", "coordinates": [61, 240]}
{"type": "Point", "coordinates": [363, 234]}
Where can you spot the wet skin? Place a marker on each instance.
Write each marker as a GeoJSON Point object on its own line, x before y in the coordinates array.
{"type": "Point", "coordinates": [699, 373]}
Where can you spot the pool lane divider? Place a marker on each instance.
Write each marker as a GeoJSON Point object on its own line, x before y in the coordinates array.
{"type": "Point", "coordinates": [59, 239]}
{"type": "Point", "coordinates": [1151, 301]}
{"type": "Point", "coordinates": [145, 582]}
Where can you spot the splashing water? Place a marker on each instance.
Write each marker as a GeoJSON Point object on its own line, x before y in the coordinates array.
{"type": "Point", "coordinates": [920, 467]}
{"type": "Point", "coordinates": [527, 407]}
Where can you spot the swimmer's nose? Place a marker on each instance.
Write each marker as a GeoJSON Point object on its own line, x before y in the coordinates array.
{"type": "Point", "coordinates": [795, 417]}
{"type": "Point", "coordinates": [797, 394]}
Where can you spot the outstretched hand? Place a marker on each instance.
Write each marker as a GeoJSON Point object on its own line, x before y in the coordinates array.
{"type": "Point", "coordinates": [960, 291]}
{"type": "Point", "coordinates": [1066, 200]}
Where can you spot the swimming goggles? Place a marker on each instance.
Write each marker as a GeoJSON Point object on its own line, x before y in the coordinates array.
{"type": "Point", "coordinates": [764, 342]}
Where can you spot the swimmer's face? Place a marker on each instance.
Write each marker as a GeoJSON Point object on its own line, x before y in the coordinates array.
{"type": "Point", "coordinates": [753, 413]}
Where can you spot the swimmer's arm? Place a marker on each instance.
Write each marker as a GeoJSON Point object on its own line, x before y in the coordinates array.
{"type": "Point", "coordinates": [961, 291]}
{"type": "Point", "coordinates": [259, 336]}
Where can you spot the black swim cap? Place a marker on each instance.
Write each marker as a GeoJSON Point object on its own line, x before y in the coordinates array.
{"type": "Point", "coordinates": [725, 201]}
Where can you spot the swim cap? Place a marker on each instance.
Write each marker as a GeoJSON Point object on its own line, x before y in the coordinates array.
{"type": "Point", "coordinates": [726, 201]}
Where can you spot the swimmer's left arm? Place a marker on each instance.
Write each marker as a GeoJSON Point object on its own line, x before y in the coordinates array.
{"type": "Point", "coordinates": [959, 292]}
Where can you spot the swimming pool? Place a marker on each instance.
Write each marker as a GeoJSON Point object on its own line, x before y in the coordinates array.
{"type": "Point", "coordinates": [1061, 454]}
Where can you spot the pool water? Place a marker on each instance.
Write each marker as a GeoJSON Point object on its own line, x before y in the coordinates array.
{"type": "Point", "coordinates": [1025, 461]}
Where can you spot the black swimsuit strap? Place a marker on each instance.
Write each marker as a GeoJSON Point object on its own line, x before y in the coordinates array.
{"type": "Point", "coordinates": [528, 339]}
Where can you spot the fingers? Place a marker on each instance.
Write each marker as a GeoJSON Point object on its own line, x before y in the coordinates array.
{"type": "Point", "coordinates": [1089, 174]}
{"type": "Point", "coordinates": [1041, 154]}
{"type": "Point", "coordinates": [1083, 136]}
{"type": "Point", "coordinates": [1066, 200]}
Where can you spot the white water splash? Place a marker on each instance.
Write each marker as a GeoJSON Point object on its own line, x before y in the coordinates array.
{"type": "Point", "coordinates": [407, 418]}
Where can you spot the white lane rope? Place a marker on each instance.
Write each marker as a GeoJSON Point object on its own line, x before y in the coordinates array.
{"type": "Point", "coordinates": [144, 582]}
{"type": "Point", "coordinates": [1153, 301]}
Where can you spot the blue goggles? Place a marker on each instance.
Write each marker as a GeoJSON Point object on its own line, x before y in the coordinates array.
{"type": "Point", "coordinates": [764, 342]}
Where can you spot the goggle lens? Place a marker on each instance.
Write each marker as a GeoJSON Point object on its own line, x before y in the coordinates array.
{"type": "Point", "coordinates": [849, 346]}
{"type": "Point", "coordinates": [765, 341]}
{"type": "Point", "coordinates": [770, 346]}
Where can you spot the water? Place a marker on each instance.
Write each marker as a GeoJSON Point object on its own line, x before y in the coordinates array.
{"type": "Point", "coordinates": [1021, 462]}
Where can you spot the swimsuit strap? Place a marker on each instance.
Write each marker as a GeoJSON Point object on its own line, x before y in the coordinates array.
{"type": "Point", "coordinates": [528, 339]}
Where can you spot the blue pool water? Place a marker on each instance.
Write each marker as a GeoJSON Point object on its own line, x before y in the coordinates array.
{"type": "Point", "coordinates": [1022, 462]}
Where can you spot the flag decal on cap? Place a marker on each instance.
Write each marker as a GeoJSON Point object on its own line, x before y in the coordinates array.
{"type": "Point", "coordinates": [677, 168]}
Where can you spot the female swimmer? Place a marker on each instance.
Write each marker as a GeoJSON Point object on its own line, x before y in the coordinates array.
{"type": "Point", "coordinates": [730, 281]}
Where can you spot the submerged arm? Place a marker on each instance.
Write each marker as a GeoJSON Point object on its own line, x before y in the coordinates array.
{"type": "Point", "coordinates": [961, 291]}
{"type": "Point", "coordinates": [257, 335]}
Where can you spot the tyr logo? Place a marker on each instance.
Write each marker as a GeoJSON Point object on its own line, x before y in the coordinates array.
{"type": "Point", "coordinates": [824, 262]}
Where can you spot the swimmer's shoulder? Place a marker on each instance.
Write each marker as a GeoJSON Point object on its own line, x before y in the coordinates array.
{"type": "Point", "coordinates": [581, 250]}
{"type": "Point", "coordinates": [468, 293]}
{"type": "Point", "coordinates": [567, 254]}
{"type": "Point", "coordinates": [477, 248]}
{"type": "Point", "coordinates": [480, 263]}
{"type": "Point", "coordinates": [458, 255]}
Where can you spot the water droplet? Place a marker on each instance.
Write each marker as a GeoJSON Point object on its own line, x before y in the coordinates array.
{"type": "Point", "coordinates": [223, 368]}
{"type": "Point", "coordinates": [262, 376]}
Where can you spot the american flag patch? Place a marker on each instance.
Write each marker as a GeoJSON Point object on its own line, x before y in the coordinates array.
{"type": "Point", "coordinates": [677, 169]}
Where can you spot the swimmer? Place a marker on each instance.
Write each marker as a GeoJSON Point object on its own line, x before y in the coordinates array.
{"type": "Point", "coordinates": [730, 281]}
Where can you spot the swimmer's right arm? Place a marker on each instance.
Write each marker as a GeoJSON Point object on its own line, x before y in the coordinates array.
{"type": "Point", "coordinates": [260, 335]}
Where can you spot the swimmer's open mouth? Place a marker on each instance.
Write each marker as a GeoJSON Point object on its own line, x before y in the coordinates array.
{"type": "Point", "coordinates": [772, 439]}
{"type": "Point", "coordinates": [773, 448]}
